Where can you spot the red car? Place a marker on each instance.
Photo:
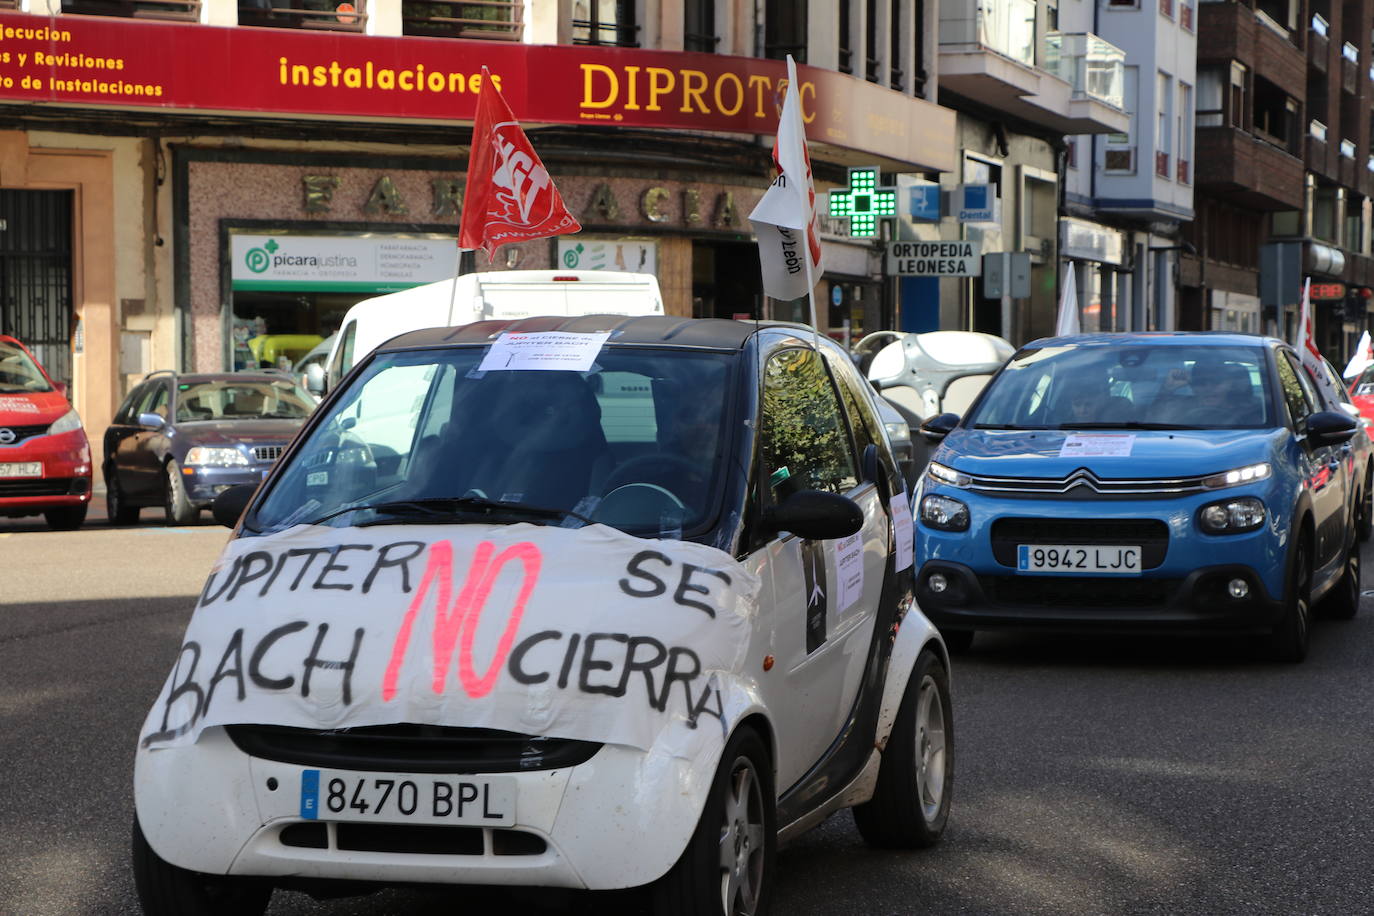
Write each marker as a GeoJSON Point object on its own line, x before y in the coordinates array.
{"type": "Point", "coordinates": [1362, 392]}
{"type": "Point", "coordinates": [45, 461]}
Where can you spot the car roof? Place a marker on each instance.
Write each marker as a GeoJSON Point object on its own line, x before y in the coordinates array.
{"type": "Point", "coordinates": [661, 330]}
{"type": "Point", "coordinates": [1160, 338]}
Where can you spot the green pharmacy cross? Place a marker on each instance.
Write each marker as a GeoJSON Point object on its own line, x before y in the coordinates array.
{"type": "Point", "coordinates": [864, 203]}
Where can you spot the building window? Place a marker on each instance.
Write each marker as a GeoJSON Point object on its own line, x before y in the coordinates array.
{"type": "Point", "coordinates": [300, 14]}
{"type": "Point", "coordinates": [143, 9]}
{"type": "Point", "coordinates": [1185, 133]}
{"type": "Point", "coordinates": [1324, 214]}
{"type": "Point", "coordinates": [605, 22]}
{"type": "Point", "coordinates": [1166, 8]}
{"type": "Point", "coordinates": [846, 40]}
{"type": "Point", "coordinates": [1119, 154]}
{"type": "Point", "coordinates": [699, 26]}
{"type": "Point", "coordinates": [492, 19]}
{"type": "Point", "coordinates": [896, 47]}
{"type": "Point", "coordinates": [1211, 97]}
{"type": "Point", "coordinates": [871, 61]}
{"type": "Point", "coordinates": [1164, 101]}
{"type": "Point", "coordinates": [1282, 14]}
{"type": "Point", "coordinates": [784, 30]}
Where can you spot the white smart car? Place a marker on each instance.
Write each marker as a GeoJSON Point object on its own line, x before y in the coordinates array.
{"type": "Point", "coordinates": [630, 605]}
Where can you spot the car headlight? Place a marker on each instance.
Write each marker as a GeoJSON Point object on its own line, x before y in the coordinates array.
{"type": "Point", "coordinates": [1231, 516]}
{"type": "Point", "coordinates": [941, 474]}
{"type": "Point", "coordinates": [944, 513]}
{"type": "Point", "coordinates": [1237, 476]}
{"type": "Point", "coordinates": [216, 457]}
{"type": "Point", "coordinates": [67, 423]}
{"type": "Point", "coordinates": [898, 432]}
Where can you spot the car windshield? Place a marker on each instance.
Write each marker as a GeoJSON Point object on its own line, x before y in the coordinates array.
{"type": "Point", "coordinates": [242, 399]}
{"type": "Point", "coordinates": [1132, 387]}
{"type": "Point", "coordinates": [637, 443]}
{"type": "Point", "coordinates": [18, 372]}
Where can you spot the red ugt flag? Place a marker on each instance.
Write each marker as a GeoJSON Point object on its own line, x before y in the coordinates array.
{"type": "Point", "coordinates": [510, 196]}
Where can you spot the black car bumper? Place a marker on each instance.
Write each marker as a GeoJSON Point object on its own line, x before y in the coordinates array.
{"type": "Point", "coordinates": [1200, 602]}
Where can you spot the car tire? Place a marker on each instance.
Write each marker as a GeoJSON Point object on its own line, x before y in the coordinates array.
{"type": "Point", "coordinates": [957, 641]}
{"type": "Point", "coordinates": [910, 804]}
{"type": "Point", "coordinates": [1343, 601]}
{"type": "Point", "coordinates": [1288, 642]}
{"type": "Point", "coordinates": [68, 518]}
{"type": "Point", "coordinates": [178, 504]}
{"type": "Point", "coordinates": [117, 508]}
{"type": "Point", "coordinates": [730, 854]}
{"type": "Point", "coordinates": [166, 890]}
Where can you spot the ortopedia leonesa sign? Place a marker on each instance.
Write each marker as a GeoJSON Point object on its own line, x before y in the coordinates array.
{"type": "Point", "coordinates": [934, 259]}
{"type": "Point", "coordinates": [575, 633]}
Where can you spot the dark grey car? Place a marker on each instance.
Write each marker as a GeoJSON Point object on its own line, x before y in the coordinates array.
{"type": "Point", "coordinates": [179, 440]}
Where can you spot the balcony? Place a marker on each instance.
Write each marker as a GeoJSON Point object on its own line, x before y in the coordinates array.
{"type": "Point", "coordinates": [1247, 171]}
{"type": "Point", "coordinates": [987, 50]}
{"type": "Point", "coordinates": [1232, 32]}
{"type": "Point", "coordinates": [1095, 72]}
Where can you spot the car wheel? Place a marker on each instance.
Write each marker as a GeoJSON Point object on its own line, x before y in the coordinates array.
{"type": "Point", "coordinates": [117, 508]}
{"type": "Point", "coordinates": [910, 803]}
{"type": "Point", "coordinates": [1364, 510]}
{"type": "Point", "coordinates": [68, 518]}
{"type": "Point", "coordinates": [957, 641]}
{"type": "Point", "coordinates": [166, 890]}
{"type": "Point", "coordinates": [727, 867]}
{"type": "Point", "coordinates": [1288, 642]}
{"type": "Point", "coordinates": [1343, 601]}
{"type": "Point", "coordinates": [178, 504]}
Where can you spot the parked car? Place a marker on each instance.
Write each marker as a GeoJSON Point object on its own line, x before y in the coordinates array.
{"type": "Point", "coordinates": [179, 440]}
{"type": "Point", "coordinates": [697, 634]}
{"type": "Point", "coordinates": [1192, 483]}
{"type": "Point", "coordinates": [45, 461]}
{"type": "Point", "coordinates": [899, 436]}
{"type": "Point", "coordinates": [1361, 391]}
{"type": "Point", "coordinates": [929, 374]}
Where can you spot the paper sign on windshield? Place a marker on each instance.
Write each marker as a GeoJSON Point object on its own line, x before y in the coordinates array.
{"type": "Point", "coordinates": [583, 633]}
{"type": "Point", "coordinates": [544, 350]}
{"type": "Point", "coordinates": [1097, 446]}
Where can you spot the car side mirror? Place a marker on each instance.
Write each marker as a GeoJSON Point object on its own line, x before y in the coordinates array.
{"type": "Point", "coordinates": [151, 421]}
{"type": "Point", "coordinates": [61, 388]}
{"type": "Point", "coordinates": [936, 428]}
{"type": "Point", "coordinates": [229, 504]}
{"type": "Point", "coordinates": [314, 379]}
{"type": "Point", "coordinates": [1330, 428]}
{"type": "Point", "coordinates": [816, 515]}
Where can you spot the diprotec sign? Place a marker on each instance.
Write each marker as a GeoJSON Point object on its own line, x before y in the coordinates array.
{"type": "Point", "coordinates": [934, 259]}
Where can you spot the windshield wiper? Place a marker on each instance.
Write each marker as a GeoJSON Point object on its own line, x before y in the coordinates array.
{"type": "Point", "coordinates": [448, 507]}
{"type": "Point", "coordinates": [1126, 424]}
{"type": "Point", "coordinates": [1005, 426]}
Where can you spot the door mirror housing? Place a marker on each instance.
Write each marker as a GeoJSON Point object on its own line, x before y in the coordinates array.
{"type": "Point", "coordinates": [936, 428]}
{"type": "Point", "coordinates": [229, 504]}
{"type": "Point", "coordinates": [151, 421]}
{"type": "Point", "coordinates": [61, 388]}
{"type": "Point", "coordinates": [314, 379]}
{"type": "Point", "coordinates": [816, 515]}
{"type": "Point", "coordinates": [1330, 428]}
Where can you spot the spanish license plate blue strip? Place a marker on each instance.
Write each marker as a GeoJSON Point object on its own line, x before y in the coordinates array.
{"type": "Point", "coordinates": [1023, 557]}
{"type": "Point", "coordinates": [310, 794]}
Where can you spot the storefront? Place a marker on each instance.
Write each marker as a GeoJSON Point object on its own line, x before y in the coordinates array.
{"type": "Point", "coordinates": [1102, 288]}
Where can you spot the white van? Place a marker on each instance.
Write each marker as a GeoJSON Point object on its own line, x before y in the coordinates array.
{"type": "Point", "coordinates": [502, 294]}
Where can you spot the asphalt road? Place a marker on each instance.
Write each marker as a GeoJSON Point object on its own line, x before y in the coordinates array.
{"type": "Point", "coordinates": [1094, 776]}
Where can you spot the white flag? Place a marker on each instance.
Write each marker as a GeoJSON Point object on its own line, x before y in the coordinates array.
{"type": "Point", "coordinates": [1307, 347]}
{"type": "Point", "coordinates": [1067, 322]}
{"type": "Point", "coordinates": [785, 219]}
{"type": "Point", "coordinates": [1361, 359]}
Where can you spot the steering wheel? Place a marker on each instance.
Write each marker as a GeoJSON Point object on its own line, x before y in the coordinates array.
{"type": "Point", "coordinates": [654, 465]}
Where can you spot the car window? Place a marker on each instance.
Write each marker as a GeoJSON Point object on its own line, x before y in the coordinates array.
{"type": "Point", "coordinates": [127, 415]}
{"type": "Point", "coordinates": [1105, 386]}
{"type": "Point", "coordinates": [155, 400]}
{"type": "Point", "coordinates": [633, 443]}
{"type": "Point", "coordinates": [18, 372]}
{"type": "Point", "coordinates": [1298, 391]}
{"type": "Point", "coordinates": [343, 358]}
{"type": "Point", "coordinates": [245, 399]}
{"type": "Point", "coordinates": [1334, 379]}
{"type": "Point", "coordinates": [805, 444]}
{"type": "Point", "coordinates": [864, 421]}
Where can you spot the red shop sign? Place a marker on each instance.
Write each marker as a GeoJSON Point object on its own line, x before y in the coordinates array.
{"type": "Point", "coordinates": [77, 60]}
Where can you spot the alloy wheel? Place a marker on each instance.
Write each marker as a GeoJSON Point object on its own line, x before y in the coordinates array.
{"type": "Point", "coordinates": [930, 747]}
{"type": "Point", "coordinates": [742, 841]}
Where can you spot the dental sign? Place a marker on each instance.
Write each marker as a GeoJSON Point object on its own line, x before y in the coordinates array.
{"type": "Point", "coordinates": [126, 63]}
{"type": "Point", "coordinates": [375, 263]}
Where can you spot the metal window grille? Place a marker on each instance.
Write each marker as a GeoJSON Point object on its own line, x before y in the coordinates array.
{"type": "Point", "coordinates": [598, 26]}
{"type": "Point", "coordinates": [36, 275]}
{"type": "Point", "coordinates": [141, 9]}
{"type": "Point", "coordinates": [497, 20]}
{"type": "Point", "coordinates": [699, 26]}
{"type": "Point", "coordinates": [333, 15]}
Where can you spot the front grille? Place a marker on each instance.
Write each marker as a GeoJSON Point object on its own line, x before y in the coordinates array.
{"type": "Point", "coordinates": [26, 432]}
{"type": "Point", "coordinates": [411, 748]}
{"type": "Point", "coordinates": [1151, 535]}
{"type": "Point", "coordinates": [1075, 591]}
{"type": "Point", "coordinates": [413, 839]}
{"type": "Point", "coordinates": [1084, 484]}
{"type": "Point", "coordinates": [42, 486]}
{"type": "Point", "coordinates": [268, 452]}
